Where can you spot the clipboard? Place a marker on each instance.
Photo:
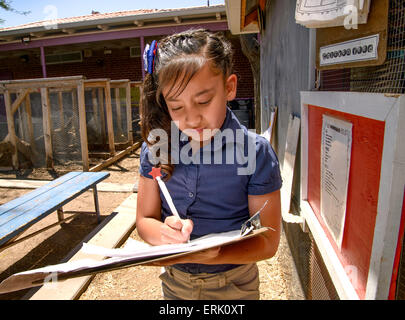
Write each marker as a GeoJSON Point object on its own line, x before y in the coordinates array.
{"type": "Point", "coordinates": [79, 268]}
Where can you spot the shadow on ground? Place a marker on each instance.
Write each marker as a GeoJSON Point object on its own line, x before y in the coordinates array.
{"type": "Point", "coordinates": [52, 250]}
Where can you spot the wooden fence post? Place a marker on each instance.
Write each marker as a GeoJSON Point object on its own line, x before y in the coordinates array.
{"type": "Point", "coordinates": [29, 122]}
{"type": "Point", "coordinates": [82, 126]}
{"type": "Point", "coordinates": [108, 110]}
{"type": "Point", "coordinates": [11, 129]}
{"type": "Point", "coordinates": [46, 120]}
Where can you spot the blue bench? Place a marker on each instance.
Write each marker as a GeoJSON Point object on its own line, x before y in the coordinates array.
{"type": "Point", "coordinates": [19, 214]}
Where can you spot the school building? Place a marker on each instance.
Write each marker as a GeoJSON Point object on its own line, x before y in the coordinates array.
{"type": "Point", "coordinates": [105, 44]}
{"type": "Point", "coordinates": [101, 48]}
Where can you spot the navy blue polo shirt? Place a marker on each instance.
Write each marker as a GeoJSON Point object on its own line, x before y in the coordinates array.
{"type": "Point", "coordinates": [212, 186]}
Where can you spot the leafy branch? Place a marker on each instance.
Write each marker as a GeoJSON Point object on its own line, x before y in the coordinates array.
{"type": "Point", "coordinates": [6, 5]}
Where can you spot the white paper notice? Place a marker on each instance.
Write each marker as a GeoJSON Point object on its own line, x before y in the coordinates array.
{"type": "Point", "coordinates": [331, 13]}
{"type": "Point", "coordinates": [335, 166]}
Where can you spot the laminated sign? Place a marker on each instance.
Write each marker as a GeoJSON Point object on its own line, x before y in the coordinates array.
{"type": "Point", "coordinates": [335, 165]}
{"type": "Point", "coordinates": [355, 50]}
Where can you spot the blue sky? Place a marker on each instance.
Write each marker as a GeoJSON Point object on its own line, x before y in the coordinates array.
{"type": "Point", "coordinates": [48, 9]}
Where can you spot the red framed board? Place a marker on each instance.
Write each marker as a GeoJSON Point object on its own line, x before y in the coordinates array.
{"type": "Point", "coordinates": [360, 261]}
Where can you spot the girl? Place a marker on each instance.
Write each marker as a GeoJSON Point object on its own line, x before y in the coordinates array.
{"type": "Point", "coordinates": [189, 83]}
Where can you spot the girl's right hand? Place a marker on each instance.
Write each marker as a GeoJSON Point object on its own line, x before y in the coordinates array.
{"type": "Point", "coordinates": [175, 230]}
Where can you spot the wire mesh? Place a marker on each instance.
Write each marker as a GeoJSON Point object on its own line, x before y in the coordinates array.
{"type": "Point", "coordinates": [321, 285]}
{"type": "Point", "coordinates": [300, 245]}
{"type": "Point", "coordinates": [66, 147]}
{"type": "Point", "coordinates": [3, 119]}
{"type": "Point", "coordinates": [119, 115]}
{"type": "Point", "coordinates": [33, 148]}
{"type": "Point", "coordinates": [29, 130]}
{"type": "Point", "coordinates": [386, 78]}
{"type": "Point", "coordinates": [95, 116]}
{"type": "Point", "coordinates": [135, 98]}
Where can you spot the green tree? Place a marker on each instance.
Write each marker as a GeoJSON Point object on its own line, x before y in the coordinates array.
{"type": "Point", "coordinates": [6, 5]}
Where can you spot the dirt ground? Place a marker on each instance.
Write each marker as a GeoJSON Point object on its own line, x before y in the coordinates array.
{"type": "Point", "coordinates": [278, 278]}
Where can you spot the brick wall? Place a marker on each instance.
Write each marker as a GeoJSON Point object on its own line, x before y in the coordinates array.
{"type": "Point", "coordinates": [117, 65]}
{"type": "Point", "coordinates": [243, 70]}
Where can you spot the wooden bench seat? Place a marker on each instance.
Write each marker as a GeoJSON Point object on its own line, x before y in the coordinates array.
{"type": "Point", "coordinates": [19, 214]}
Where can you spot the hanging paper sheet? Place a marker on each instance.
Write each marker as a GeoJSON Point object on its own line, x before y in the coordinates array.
{"type": "Point", "coordinates": [335, 166]}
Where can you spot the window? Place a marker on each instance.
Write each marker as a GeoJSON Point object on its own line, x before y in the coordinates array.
{"type": "Point", "coordinates": [66, 57]}
{"type": "Point", "coordinates": [134, 52]}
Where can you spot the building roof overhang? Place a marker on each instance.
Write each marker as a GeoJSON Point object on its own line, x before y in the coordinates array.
{"type": "Point", "coordinates": [116, 25]}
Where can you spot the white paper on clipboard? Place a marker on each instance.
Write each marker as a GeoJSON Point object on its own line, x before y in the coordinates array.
{"type": "Point", "coordinates": [134, 253]}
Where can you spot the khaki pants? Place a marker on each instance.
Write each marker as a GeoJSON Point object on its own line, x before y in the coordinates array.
{"type": "Point", "coordinates": [241, 283]}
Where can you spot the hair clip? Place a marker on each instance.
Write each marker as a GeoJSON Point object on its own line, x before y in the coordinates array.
{"type": "Point", "coordinates": [149, 55]}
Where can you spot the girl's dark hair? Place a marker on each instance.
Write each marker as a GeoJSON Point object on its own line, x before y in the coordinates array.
{"type": "Point", "coordinates": [179, 57]}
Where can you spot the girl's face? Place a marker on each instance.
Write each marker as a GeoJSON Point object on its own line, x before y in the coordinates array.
{"type": "Point", "coordinates": [200, 109]}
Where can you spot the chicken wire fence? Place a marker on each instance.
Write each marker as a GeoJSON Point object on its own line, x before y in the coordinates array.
{"type": "Point", "coordinates": [65, 126]}
{"type": "Point", "coordinates": [65, 133]}
{"type": "Point", "coordinates": [386, 78]}
{"type": "Point", "coordinates": [119, 115]}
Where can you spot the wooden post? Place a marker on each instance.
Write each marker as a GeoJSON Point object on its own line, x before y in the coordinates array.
{"type": "Point", "coordinates": [118, 110]}
{"type": "Point", "coordinates": [46, 120]}
{"type": "Point", "coordinates": [22, 93]}
{"type": "Point", "coordinates": [25, 135]}
{"type": "Point", "coordinates": [11, 129]}
{"type": "Point", "coordinates": [108, 110]}
{"type": "Point", "coordinates": [82, 126]}
{"type": "Point", "coordinates": [29, 123]}
{"type": "Point", "coordinates": [102, 116]}
{"type": "Point", "coordinates": [60, 214]}
{"type": "Point", "coordinates": [20, 124]}
{"type": "Point", "coordinates": [129, 113]}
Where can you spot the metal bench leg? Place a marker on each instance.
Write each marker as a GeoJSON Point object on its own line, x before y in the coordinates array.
{"type": "Point", "coordinates": [96, 203]}
{"type": "Point", "coordinates": [60, 214]}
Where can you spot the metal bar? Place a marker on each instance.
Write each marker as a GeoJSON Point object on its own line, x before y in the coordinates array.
{"type": "Point", "coordinates": [142, 40]}
{"type": "Point", "coordinates": [96, 203]}
{"type": "Point", "coordinates": [43, 64]}
{"type": "Point", "coordinates": [60, 213]}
